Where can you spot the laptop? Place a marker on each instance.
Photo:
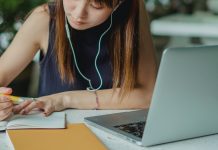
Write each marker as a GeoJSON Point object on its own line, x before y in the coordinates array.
{"type": "Point", "coordinates": [184, 103]}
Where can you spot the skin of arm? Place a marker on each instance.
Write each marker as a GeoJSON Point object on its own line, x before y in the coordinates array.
{"type": "Point", "coordinates": [32, 36]}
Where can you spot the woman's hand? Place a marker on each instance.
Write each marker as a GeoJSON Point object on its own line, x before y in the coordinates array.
{"type": "Point", "coordinates": [6, 105]}
{"type": "Point", "coordinates": [47, 104]}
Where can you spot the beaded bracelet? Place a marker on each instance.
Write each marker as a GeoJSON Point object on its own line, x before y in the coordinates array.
{"type": "Point", "coordinates": [97, 100]}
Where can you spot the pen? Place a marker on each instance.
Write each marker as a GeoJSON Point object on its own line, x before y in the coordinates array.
{"type": "Point", "coordinates": [14, 99]}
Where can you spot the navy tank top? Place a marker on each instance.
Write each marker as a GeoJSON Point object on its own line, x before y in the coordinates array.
{"type": "Point", "coordinates": [86, 45]}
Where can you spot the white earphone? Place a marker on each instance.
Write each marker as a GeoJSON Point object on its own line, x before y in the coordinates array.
{"type": "Point", "coordinates": [90, 88]}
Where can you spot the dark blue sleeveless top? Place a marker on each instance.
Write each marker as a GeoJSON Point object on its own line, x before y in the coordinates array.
{"type": "Point", "coordinates": [86, 45]}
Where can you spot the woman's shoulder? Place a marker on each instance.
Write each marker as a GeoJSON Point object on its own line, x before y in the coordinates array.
{"type": "Point", "coordinates": [38, 18]}
{"type": "Point", "coordinates": [37, 25]}
{"type": "Point", "coordinates": [40, 13]}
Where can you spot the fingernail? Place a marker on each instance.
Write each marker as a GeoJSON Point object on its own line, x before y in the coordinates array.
{"type": "Point", "coordinates": [7, 90]}
{"type": "Point", "coordinates": [22, 112]}
{"type": "Point", "coordinates": [46, 114]}
{"type": "Point", "coordinates": [25, 112]}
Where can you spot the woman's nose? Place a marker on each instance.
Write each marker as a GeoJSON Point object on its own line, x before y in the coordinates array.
{"type": "Point", "coordinates": [79, 12]}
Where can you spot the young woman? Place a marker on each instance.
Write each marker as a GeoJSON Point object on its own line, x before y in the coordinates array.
{"type": "Point", "coordinates": [95, 54]}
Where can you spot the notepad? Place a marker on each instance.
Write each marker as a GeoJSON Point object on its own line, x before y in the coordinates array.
{"type": "Point", "coordinates": [34, 120]}
{"type": "Point", "coordinates": [74, 136]}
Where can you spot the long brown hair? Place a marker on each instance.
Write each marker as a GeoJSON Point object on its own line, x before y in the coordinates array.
{"type": "Point", "coordinates": [123, 45]}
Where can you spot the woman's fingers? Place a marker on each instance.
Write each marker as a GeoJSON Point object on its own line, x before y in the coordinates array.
{"type": "Point", "coordinates": [5, 90]}
{"type": "Point", "coordinates": [19, 107]}
{"type": "Point", "coordinates": [5, 105]}
{"type": "Point", "coordinates": [48, 110]}
{"type": "Point", "coordinates": [31, 106]}
{"type": "Point", "coordinates": [5, 113]}
{"type": "Point", "coordinates": [46, 107]}
{"type": "Point", "coordinates": [4, 99]}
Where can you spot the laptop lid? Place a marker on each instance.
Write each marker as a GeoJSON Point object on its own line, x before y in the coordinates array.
{"type": "Point", "coordinates": [185, 99]}
{"type": "Point", "coordinates": [184, 103]}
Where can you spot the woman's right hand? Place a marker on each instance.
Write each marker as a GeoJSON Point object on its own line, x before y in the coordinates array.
{"type": "Point", "coordinates": [6, 105]}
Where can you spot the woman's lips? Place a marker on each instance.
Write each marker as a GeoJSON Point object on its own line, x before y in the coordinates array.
{"type": "Point", "coordinates": [77, 22]}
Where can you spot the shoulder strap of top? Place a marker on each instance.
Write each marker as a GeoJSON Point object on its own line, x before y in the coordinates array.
{"type": "Point", "coordinates": [51, 38]}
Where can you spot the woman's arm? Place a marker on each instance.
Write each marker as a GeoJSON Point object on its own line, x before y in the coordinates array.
{"type": "Point", "coordinates": [32, 36]}
{"type": "Point", "coordinates": [108, 99]}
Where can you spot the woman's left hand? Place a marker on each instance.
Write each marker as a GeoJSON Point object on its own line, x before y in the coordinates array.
{"type": "Point", "coordinates": [47, 104]}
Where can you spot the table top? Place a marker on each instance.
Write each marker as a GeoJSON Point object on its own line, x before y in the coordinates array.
{"type": "Point", "coordinates": [115, 143]}
{"type": "Point", "coordinates": [199, 24]}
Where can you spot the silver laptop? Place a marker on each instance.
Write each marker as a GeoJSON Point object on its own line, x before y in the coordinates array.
{"type": "Point", "coordinates": [184, 103]}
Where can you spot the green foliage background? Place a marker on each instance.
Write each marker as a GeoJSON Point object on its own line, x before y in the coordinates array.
{"type": "Point", "coordinates": [12, 11]}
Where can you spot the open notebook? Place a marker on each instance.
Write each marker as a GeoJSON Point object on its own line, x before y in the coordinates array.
{"type": "Point", "coordinates": [34, 120]}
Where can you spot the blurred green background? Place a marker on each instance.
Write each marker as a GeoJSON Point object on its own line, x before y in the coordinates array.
{"type": "Point", "coordinates": [12, 13]}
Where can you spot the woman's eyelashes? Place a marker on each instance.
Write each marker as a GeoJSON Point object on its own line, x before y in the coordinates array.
{"type": "Point", "coordinates": [92, 3]}
{"type": "Point", "coordinates": [96, 5]}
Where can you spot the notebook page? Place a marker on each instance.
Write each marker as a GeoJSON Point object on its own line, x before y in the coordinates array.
{"type": "Point", "coordinates": [3, 125]}
{"type": "Point", "coordinates": [37, 120]}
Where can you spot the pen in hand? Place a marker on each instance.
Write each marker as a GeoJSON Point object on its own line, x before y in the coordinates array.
{"type": "Point", "coordinates": [15, 99]}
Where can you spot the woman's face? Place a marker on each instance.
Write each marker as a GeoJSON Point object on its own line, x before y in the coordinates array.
{"type": "Point", "coordinates": [84, 14]}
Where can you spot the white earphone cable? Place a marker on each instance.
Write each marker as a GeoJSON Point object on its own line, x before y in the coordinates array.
{"type": "Point", "coordinates": [90, 88]}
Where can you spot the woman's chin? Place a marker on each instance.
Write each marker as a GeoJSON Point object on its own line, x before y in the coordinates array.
{"type": "Point", "coordinates": [79, 26]}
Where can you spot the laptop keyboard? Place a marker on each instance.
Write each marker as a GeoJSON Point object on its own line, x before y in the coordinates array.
{"type": "Point", "coordinates": [136, 129]}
